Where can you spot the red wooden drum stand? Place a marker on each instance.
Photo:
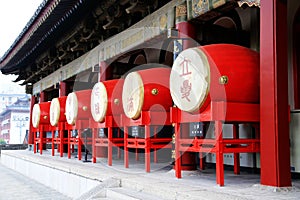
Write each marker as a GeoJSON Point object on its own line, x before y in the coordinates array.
{"type": "Point", "coordinates": [146, 120]}
{"type": "Point", "coordinates": [41, 125]}
{"type": "Point", "coordinates": [106, 107]}
{"type": "Point", "coordinates": [59, 124]}
{"type": "Point", "coordinates": [109, 141]}
{"type": "Point", "coordinates": [215, 84]}
{"type": "Point", "coordinates": [218, 113]}
{"type": "Point", "coordinates": [146, 99]}
{"type": "Point", "coordinates": [40, 137]}
{"type": "Point", "coordinates": [78, 114]}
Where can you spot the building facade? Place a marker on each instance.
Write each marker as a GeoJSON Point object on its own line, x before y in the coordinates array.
{"type": "Point", "coordinates": [85, 42]}
{"type": "Point", "coordinates": [15, 121]}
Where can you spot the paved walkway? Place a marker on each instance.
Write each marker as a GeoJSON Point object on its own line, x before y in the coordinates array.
{"type": "Point", "coordinates": [16, 186]}
{"type": "Point", "coordinates": [194, 185]}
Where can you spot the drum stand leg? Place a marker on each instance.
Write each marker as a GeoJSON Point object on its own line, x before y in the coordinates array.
{"type": "Point", "coordinates": [177, 152]}
{"type": "Point", "coordinates": [109, 146]}
{"type": "Point", "coordinates": [236, 155]}
{"type": "Point", "coordinates": [94, 131]}
{"type": "Point", "coordinates": [219, 153]}
{"type": "Point", "coordinates": [147, 148]}
{"type": "Point", "coordinates": [126, 162]}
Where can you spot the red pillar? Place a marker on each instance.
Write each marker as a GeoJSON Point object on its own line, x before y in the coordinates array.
{"type": "Point", "coordinates": [30, 134]}
{"type": "Point", "coordinates": [43, 97]}
{"type": "Point", "coordinates": [275, 152]}
{"type": "Point", "coordinates": [105, 71]}
{"type": "Point", "coordinates": [62, 89]}
{"type": "Point", "coordinates": [187, 32]}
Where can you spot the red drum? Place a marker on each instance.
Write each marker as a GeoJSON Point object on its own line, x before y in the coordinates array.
{"type": "Point", "coordinates": [146, 90]}
{"type": "Point", "coordinates": [78, 106]}
{"type": "Point", "coordinates": [57, 110]}
{"type": "Point", "coordinates": [218, 72]}
{"type": "Point", "coordinates": [40, 114]}
{"type": "Point", "coordinates": [107, 99]}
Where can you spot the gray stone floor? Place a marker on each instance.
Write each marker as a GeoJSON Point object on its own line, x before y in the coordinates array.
{"type": "Point", "coordinates": [16, 186]}
{"type": "Point", "coordinates": [194, 185]}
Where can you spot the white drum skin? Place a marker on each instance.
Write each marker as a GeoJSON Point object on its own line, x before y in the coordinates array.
{"type": "Point", "coordinates": [78, 106]}
{"type": "Point", "coordinates": [146, 90]}
{"type": "Point", "coordinates": [107, 99]}
{"type": "Point", "coordinates": [218, 72]}
{"type": "Point", "coordinates": [57, 110]}
{"type": "Point", "coordinates": [40, 114]}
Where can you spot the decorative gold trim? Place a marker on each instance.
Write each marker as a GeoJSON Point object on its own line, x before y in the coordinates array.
{"type": "Point", "coordinates": [174, 138]}
{"type": "Point", "coordinates": [117, 101]}
{"type": "Point", "coordinates": [154, 91]}
{"type": "Point", "coordinates": [84, 108]}
{"type": "Point", "coordinates": [250, 3]}
{"type": "Point", "coordinates": [223, 80]}
{"type": "Point", "coordinates": [173, 154]}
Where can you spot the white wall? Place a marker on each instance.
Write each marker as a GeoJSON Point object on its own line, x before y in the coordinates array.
{"type": "Point", "coordinates": [19, 123]}
{"type": "Point", "coordinates": [293, 6]}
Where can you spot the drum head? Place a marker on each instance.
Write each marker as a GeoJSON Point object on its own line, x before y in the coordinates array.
{"type": "Point", "coordinates": [133, 95]}
{"type": "Point", "coordinates": [190, 79]}
{"type": "Point", "coordinates": [99, 101]}
{"type": "Point", "coordinates": [54, 111]}
{"type": "Point", "coordinates": [36, 113]}
{"type": "Point", "coordinates": [71, 108]}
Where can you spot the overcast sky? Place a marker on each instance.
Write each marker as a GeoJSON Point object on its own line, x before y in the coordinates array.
{"type": "Point", "coordinates": [14, 15]}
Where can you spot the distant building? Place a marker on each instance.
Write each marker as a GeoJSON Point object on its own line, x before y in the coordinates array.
{"type": "Point", "coordinates": [14, 120]}
{"type": "Point", "coordinates": [9, 99]}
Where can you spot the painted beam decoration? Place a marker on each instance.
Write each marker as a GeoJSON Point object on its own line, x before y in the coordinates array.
{"type": "Point", "coordinates": [139, 34]}
{"type": "Point", "coordinates": [250, 3]}
{"type": "Point", "coordinates": [207, 9]}
{"type": "Point", "coordinates": [150, 27]}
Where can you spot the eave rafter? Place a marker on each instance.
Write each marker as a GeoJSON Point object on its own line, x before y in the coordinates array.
{"type": "Point", "coordinates": [94, 23]}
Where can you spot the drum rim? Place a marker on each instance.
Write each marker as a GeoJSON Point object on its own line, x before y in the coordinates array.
{"type": "Point", "coordinates": [36, 114]}
{"type": "Point", "coordinates": [205, 59]}
{"type": "Point", "coordinates": [74, 96]}
{"type": "Point", "coordinates": [140, 88]}
{"type": "Point", "coordinates": [54, 122]}
{"type": "Point", "coordinates": [101, 117]}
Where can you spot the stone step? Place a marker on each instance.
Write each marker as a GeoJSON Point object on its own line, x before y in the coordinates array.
{"type": "Point", "coordinates": [128, 194]}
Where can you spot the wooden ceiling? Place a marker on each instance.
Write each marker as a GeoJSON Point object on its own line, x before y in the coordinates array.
{"type": "Point", "coordinates": [61, 31]}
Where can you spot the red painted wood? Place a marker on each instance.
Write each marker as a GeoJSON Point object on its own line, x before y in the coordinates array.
{"type": "Point", "coordinates": [275, 152]}
{"type": "Point", "coordinates": [114, 92]}
{"type": "Point", "coordinates": [147, 119]}
{"type": "Point", "coordinates": [296, 61]}
{"type": "Point", "coordinates": [102, 147]}
{"type": "Point", "coordinates": [62, 89]}
{"type": "Point", "coordinates": [126, 156]}
{"type": "Point", "coordinates": [187, 32]}
{"type": "Point", "coordinates": [216, 113]}
{"type": "Point", "coordinates": [60, 140]}
{"type": "Point", "coordinates": [94, 155]}
{"type": "Point", "coordinates": [45, 113]}
{"type": "Point", "coordinates": [236, 156]}
{"type": "Point", "coordinates": [109, 146]}
{"type": "Point", "coordinates": [84, 101]}
{"type": "Point", "coordinates": [62, 103]}
{"type": "Point", "coordinates": [219, 153]}
{"type": "Point", "coordinates": [105, 71]}
{"type": "Point", "coordinates": [43, 97]}
{"type": "Point", "coordinates": [31, 129]}
{"type": "Point", "coordinates": [239, 64]}
{"type": "Point", "coordinates": [147, 148]}
{"type": "Point", "coordinates": [177, 151]}
{"type": "Point", "coordinates": [154, 78]}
